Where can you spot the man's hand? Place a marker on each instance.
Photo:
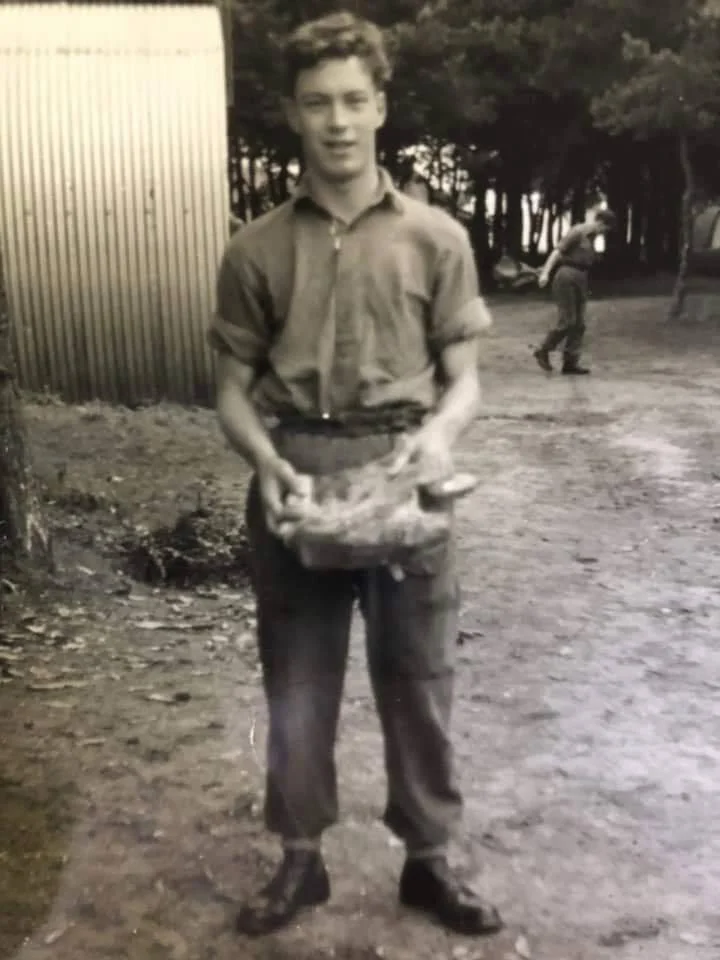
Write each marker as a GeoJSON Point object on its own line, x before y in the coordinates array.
{"type": "Point", "coordinates": [285, 494]}
{"type": "Point", "coordinates": [429, 451]}
{"type": "Point", "coordinates": [543, 279]}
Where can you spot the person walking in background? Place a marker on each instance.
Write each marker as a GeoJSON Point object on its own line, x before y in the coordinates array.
{"type": "Point", "coordinates": [569, 265]}
{"type": "Point", "coordinates": [350, 316]}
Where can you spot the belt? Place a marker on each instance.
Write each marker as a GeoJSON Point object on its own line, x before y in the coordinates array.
{"type": "Point", "coordinates": [355, 422]}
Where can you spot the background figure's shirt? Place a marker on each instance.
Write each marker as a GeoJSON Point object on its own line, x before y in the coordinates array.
{"type": "Point", "coordinates": [338, 318]}
{"type": "Point", "coordinates": [577, 249]}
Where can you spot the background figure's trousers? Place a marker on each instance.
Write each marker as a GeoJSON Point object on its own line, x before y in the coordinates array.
{"type": "Point", "coordinates": [304, 627]}
{"type": "Point", "coordinates": [569, 290]}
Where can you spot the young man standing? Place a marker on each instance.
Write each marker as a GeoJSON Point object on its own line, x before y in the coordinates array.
{"type": "Point", "coordinates": [571, 260]}
{"type": "Point", "coordinates": [349, 316]}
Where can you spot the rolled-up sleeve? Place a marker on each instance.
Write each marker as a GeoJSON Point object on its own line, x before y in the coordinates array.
{"type": "Point", "coordinates": [458, 310]}
{"type": "Point", "coordinates": [240, 325]}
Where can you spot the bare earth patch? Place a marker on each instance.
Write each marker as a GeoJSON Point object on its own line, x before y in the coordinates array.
{"type": "Point", "coordinates": [587, 722]}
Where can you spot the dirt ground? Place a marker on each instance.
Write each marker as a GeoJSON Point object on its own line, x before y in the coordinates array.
{"type": "Point", "coordinates": [588, 710]}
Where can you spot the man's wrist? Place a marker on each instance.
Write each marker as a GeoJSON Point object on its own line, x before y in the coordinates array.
{"type": "Point", "coordinates": [264, 459]}
{"type": "Point", "coordinates": [440, 425]}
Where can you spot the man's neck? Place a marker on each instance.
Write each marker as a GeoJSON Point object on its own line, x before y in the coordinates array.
{"type": "Point", "coordinates": [345, 201]}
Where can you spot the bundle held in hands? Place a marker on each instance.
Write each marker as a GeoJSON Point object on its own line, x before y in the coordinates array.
{"type": "Point", "coordinates": [367, 516]}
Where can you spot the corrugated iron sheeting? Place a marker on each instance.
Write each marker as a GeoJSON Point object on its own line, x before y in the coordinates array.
{"type": "Point", "coordinates": [113, 196]}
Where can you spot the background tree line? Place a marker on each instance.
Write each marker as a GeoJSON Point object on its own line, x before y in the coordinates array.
{"type": "Point", "coordinates": [543, 106]}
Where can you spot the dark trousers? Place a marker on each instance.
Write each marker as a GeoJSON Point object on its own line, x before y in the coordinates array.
{"type": "Point", "coordinates": [303, 630]}
{"type": "Point", "coordinates": [569, 290]}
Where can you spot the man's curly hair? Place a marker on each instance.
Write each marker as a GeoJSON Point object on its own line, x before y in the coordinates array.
{"type": "Point", "coordinates": [336, 37]}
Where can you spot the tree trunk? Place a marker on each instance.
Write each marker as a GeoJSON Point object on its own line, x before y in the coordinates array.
{"type": "Point", "coordinates": [621, 171]}
{"type": "Point", "coordinates": [549, 243]}
{"type": "Point", "coordinates": [271, 182]}
{"type": "Point", "coordinates": [686, 216]}
{"type": "Point", "coordinates": [284, 178]}
{"type": "Point", "coordinates": [455, 187]}
{"type": "Point", "coordinates": [240, 207]}
{"type": "Point", "coordinates": [653, 226]}
{"type": "Point", "coordinates": [24, 541]}
{"type": "Point", "coordinates": [618, 249]}
{"type": "Point", "coordinates": [254, 198]}
{"type": "Point", "coordinates": [479, 232]}
{"type": "Point", "coordinates": [512, 241]}
{"type": "Point", "coordinates": [438, 165]}
{"type": "Point", "coordinates": [578, 206]}
{"type": "Point", "coordinates": [638, 220]}
{"type": "Point", "coordinates": [498, 223]}
{"type": "Point", "coordinates": [534, 220]}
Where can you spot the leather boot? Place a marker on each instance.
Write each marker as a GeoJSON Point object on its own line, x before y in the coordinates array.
{"type": "Point", "coordinates": [300, 882]}
{"type": "Point", "coordinates": [431, 887]}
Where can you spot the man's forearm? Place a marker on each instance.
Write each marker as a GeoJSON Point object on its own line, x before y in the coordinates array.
{"type": "Point", "coordinates": [551, 261]}
{"type": "Point", "coordinates": [242, 426]}
{"type": "Point", "coordinates": [457, 408]}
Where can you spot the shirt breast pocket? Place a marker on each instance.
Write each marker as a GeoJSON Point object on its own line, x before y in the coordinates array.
{"type": "Point", "coordinates": [396, 308]}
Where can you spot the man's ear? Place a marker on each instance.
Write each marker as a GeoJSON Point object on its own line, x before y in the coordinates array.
{"type": "Point", "coordinates": [291, 114]}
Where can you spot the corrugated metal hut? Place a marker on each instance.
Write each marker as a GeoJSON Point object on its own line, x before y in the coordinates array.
{"type": "Point", "coordinates": [113, 195]}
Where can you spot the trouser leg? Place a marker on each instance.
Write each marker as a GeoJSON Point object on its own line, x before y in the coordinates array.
{"type": "Point", "coordinates": [564, 290]}
{"type": "Point", "coordinates": [576, 331]}
{"type": "Point", "coordinates": [412, 627]}
{"type": "Point", "coordinates": [303, 632]}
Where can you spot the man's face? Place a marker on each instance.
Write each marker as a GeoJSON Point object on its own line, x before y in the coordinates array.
{"type": "Point", "coordinates": [337, 111]}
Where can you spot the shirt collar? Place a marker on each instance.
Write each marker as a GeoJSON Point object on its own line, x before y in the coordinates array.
{"type": "Point", "coordinates": [387, 193]}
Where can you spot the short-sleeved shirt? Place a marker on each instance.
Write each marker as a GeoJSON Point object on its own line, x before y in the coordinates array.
{"type": "Point", "coordinates": [336, 318]}
{"type": "Point", "coordinates": [577, 249]}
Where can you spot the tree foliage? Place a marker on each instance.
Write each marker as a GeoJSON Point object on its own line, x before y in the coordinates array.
{"type": "Point", "coordinates": [667, 90]}
{"type": "Point", "coordinates": [671, 92]}
{"type": "Point", "coordinates": [558, 99]}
